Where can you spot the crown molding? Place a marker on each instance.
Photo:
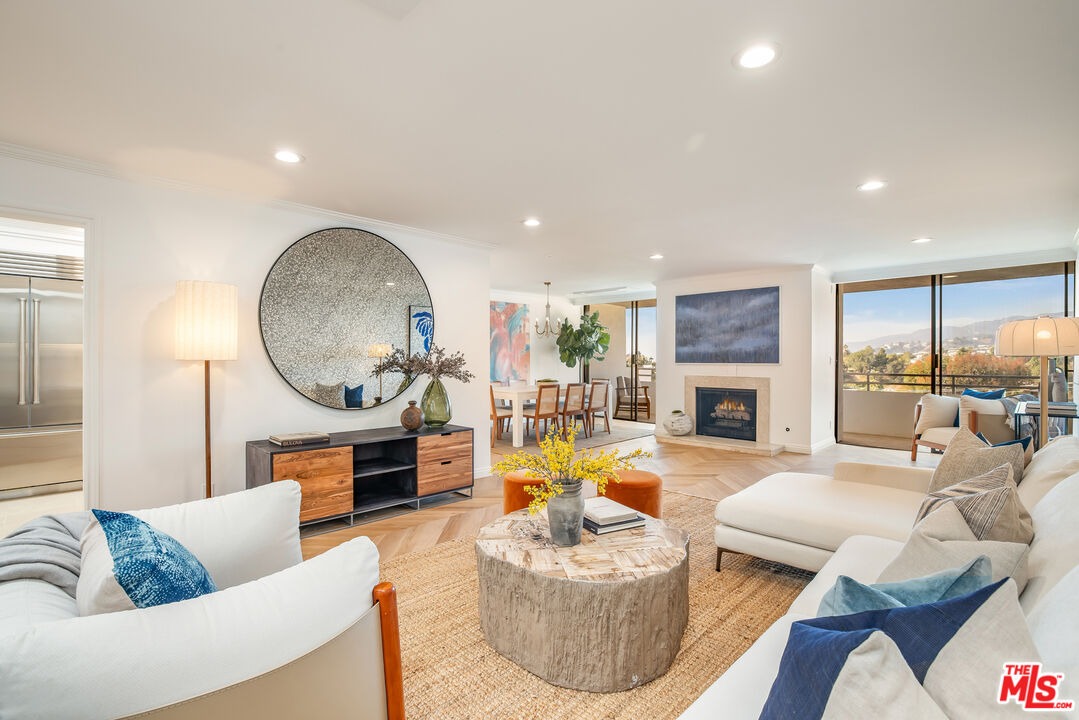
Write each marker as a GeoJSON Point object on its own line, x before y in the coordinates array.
{"type": "Point", "coordinates": [90, 167]}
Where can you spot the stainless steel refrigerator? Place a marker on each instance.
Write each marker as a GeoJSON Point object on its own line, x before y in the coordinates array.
{"type": "Point", "coordinates": [40, 377]}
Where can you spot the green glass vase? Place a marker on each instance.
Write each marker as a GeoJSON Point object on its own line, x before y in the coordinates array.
{"type": "Point", "coordinates": [436, 405]}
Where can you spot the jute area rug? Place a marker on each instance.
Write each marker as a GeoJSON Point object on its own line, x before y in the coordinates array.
{"type": "Point", "coordinates": [451, 672]}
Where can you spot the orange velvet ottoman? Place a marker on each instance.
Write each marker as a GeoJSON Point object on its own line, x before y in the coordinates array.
{"type": "Point", "coordinates": [640, 490]}
{"type": "Point", "coordinates": [514, 496]}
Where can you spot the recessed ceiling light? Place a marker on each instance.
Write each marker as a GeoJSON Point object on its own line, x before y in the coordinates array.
{"type": "Point", "coordinates": [657, 256]}
{"type": "Point", "coordinates": [390, 284]}
{"type": "Point", "coordinates": [531, 222]}
{"type": "Point", "coordinates": [871, 185]}
{"type": "Point", "coordinates": [920, 241]}
{"type": "Point", "coordinates": [288, 156]}
{"type": "Point", "coordinates": [756, 56]}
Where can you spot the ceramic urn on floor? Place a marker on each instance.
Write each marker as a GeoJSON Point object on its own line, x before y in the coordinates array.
{"type": "Point", "coordinates": [678, 423]}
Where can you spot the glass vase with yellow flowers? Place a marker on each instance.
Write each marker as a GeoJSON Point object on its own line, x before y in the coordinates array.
{"type": "Point", "coordinates": [562, 471]}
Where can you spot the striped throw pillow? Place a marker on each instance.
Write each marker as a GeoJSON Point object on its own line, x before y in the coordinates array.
{"type": "Point", "coordinates": [989, 503]}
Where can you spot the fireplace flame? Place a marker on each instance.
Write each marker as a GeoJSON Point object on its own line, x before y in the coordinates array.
{"type": "Point", "coordinates": [728, 404]}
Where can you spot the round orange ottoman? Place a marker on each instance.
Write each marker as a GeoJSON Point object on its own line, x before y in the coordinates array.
{"type": "Point", "coordinates": [640, 490]}
{"type": "Point", "coordinates": [514, 496]}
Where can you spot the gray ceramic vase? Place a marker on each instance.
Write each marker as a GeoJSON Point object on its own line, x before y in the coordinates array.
{"type": "Point", "coordinates": [565, 514]}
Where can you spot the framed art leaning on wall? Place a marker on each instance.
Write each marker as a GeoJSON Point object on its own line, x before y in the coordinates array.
{"type": "Point", "coordinates": [730, 327]}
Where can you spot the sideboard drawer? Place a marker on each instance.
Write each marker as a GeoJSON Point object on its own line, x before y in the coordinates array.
{"type": "Point", "coordinates": [325, 478]}
{"type": "Point", "coordinates": [436, 448]}
{"type": "Point", "coordinates": [442, 475]}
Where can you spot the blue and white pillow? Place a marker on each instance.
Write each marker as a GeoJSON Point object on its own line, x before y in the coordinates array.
{"type": "Point", "coordinates": [850, 596]}
{"type": "Point", "coordinates": [955, 649]}
{"type": "Point", "coordinates": [127, 564]}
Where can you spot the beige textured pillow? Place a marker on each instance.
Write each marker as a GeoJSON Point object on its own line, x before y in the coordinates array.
{"type": "Point", "coordinates": [989, 503]}
{"type": "Point", "coordinates": [944, 541]}
{"type": "Point", "coordinates": [937, 411]}
{"type": "Point", "coordinates": [967, 457]}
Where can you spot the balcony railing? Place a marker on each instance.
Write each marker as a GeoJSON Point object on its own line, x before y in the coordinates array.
{"type": "Point", "coordinates": [951, 384]}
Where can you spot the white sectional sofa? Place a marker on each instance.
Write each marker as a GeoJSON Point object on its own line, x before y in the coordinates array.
{"type": "Point", "coordinates": [875, 506]}
{"type": "Point", "coordinates": [280, 638]}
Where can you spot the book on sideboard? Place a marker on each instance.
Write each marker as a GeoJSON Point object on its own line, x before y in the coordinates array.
{"type": "Point", "coordinates": [300, 438]}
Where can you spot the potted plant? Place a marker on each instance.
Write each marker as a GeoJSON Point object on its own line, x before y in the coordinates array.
{"type": "Point", "coordinates": [436, 365]}
{"type": "Point", "coordinates": [587, 342]}
{"type": "Point", "coordinates": [563, 473]}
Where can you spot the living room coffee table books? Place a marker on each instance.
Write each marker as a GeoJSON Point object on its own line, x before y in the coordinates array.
{"type": "Point", "coordinates": [603, 515]}
{"type": "Point", "coordinates": [602, 616]}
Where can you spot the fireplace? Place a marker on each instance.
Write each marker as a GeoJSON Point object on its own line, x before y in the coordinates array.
{"type": "Point", "coordinates": [727, 413]}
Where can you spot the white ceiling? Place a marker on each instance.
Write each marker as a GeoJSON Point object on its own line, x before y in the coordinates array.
{"type": "Point", "coordinates": [621, 123]}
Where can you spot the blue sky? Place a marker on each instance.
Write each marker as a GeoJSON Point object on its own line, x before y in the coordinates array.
{"type": "Point", "coordinates": [646, 331]}
{"type": "Point", "coordinates": [868, 315]}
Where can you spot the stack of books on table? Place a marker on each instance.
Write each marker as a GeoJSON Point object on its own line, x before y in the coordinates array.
{"type": "Point", "coordinates": [603, 515]}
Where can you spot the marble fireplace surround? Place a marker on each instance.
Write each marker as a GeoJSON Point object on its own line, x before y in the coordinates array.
{"type": "Point", "coordinates": [763, 445]}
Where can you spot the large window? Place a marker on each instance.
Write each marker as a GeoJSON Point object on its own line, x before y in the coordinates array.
{"type": "Point", "coordinates": [900, 338]}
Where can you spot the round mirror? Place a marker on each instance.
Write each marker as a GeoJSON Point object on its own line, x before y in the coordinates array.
{"type": "Point", "coordinates": [333, 305]}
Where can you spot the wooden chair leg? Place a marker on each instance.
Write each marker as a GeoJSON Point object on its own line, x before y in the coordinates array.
{"type": "Point", "coordinates": [607, 420]}
{"type": "Point", "coordinates": [719, 558]}
{"type": "Point", "coordinates": [914, 449]}
{"type": "Point", "coordinates": [494, 429]}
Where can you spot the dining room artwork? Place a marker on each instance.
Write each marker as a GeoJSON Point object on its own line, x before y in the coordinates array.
{"type": "Point", "coordinates": [727, 327]}
{"type": "Point", "coordinates": [510, 349]}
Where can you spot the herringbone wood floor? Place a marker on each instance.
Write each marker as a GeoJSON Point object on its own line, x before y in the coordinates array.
{"type": "Point", "coordinates": [703, 472]}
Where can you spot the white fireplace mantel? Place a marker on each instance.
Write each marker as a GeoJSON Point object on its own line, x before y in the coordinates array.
{"type": "Point", "coordinates": [762, 446]}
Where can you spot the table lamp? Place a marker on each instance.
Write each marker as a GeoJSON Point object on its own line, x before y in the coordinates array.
{"type": "Point", "coordinates": [1042, 337]}
{"type": "Point", "coordinates": [206, 330]}
{"type": "Point", "coordinates": [379, 350]}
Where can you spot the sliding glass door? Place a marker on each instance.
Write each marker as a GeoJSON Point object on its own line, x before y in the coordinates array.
{"type": "Point", "coordinates": [900, 338]}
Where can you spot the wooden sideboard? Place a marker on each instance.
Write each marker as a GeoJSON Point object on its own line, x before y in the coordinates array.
{"type": "Point", "coordinates": [365, 470]}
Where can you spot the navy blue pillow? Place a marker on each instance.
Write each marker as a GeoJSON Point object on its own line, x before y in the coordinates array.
{"type": "Point", "coordinates": [354, 396]}
{"type": "Point", "coordinates": [987, 395]}
{"type": "Point", "coordinates": [152, 567]}
{"type": "Point", "coordinates": [1024, 440]}
{"type": "Point", "coordinates": [817, 649]}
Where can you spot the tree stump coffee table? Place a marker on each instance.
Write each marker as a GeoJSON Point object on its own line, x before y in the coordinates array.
{"type": "Point", "coordinates": [602, 616]}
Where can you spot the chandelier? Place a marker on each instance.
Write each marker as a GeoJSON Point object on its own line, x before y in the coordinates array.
{"type": "Point", "coordinates": [547, 329]}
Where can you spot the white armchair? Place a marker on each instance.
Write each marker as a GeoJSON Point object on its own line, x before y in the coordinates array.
{"type": "Point", "coordinates": [281, 638]}
{"type": "Point", "coordinates": [934, 421]}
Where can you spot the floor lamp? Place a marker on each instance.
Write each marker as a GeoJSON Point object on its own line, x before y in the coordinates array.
{"type": "Point", "coordinates": [380, 351]}
{"type": "Point", "coordinates": [206, 329]}
{"type": "Point", "coordinates": [1042, 337]}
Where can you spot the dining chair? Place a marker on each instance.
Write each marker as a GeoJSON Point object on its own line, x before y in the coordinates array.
{"type": "Point", "coordinates": [529, 404]}
{"type": "Point", "coordinates": [597, 404]}
{"type": "Point", "coordinates": [499, 416]}
{"type": "Point", "coordinates": [573, 407]}
{"type": "Point", "coordinates": [545, 409]}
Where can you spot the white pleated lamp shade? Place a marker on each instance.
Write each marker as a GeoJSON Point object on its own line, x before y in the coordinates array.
{"type": "Point", "coordinates": [1038, 337]}
{"type": "Point", "coordinates": [206, 320]}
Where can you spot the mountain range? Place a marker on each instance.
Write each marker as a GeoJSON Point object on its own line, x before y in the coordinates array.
{"type": "Point", "coordinates": [980, 332]}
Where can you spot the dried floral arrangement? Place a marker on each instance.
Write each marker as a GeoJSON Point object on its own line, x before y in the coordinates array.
{"type": "Point", "coordinates": [436, 364]}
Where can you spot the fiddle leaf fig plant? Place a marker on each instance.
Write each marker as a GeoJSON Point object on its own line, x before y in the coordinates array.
{"type": "Point", "coordinates": [587, 342]}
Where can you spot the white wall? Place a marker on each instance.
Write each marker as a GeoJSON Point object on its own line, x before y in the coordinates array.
{"type": "Point", "coordinates": [144, 237]}
{"type": "Point", "coordinates": [614, 318]}
{"type": "Point", "coordinates": [822, 421]}
{"type": "Point", "coordinates": [798, 383]}
{"type": "Point", "coordinates": [544, 362]}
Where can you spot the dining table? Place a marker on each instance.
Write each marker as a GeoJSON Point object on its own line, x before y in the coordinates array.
{"type": "Point", "coordinates": [517, 396]}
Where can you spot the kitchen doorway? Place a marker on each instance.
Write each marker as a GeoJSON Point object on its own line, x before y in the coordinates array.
{"type": "Point", "coordinates": [41, 369]}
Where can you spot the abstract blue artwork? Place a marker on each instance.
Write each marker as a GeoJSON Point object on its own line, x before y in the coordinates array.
{"type": "Point", "coordinates": [735, 326]}
{"type": "Point", "coordinates": [421, 328]}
